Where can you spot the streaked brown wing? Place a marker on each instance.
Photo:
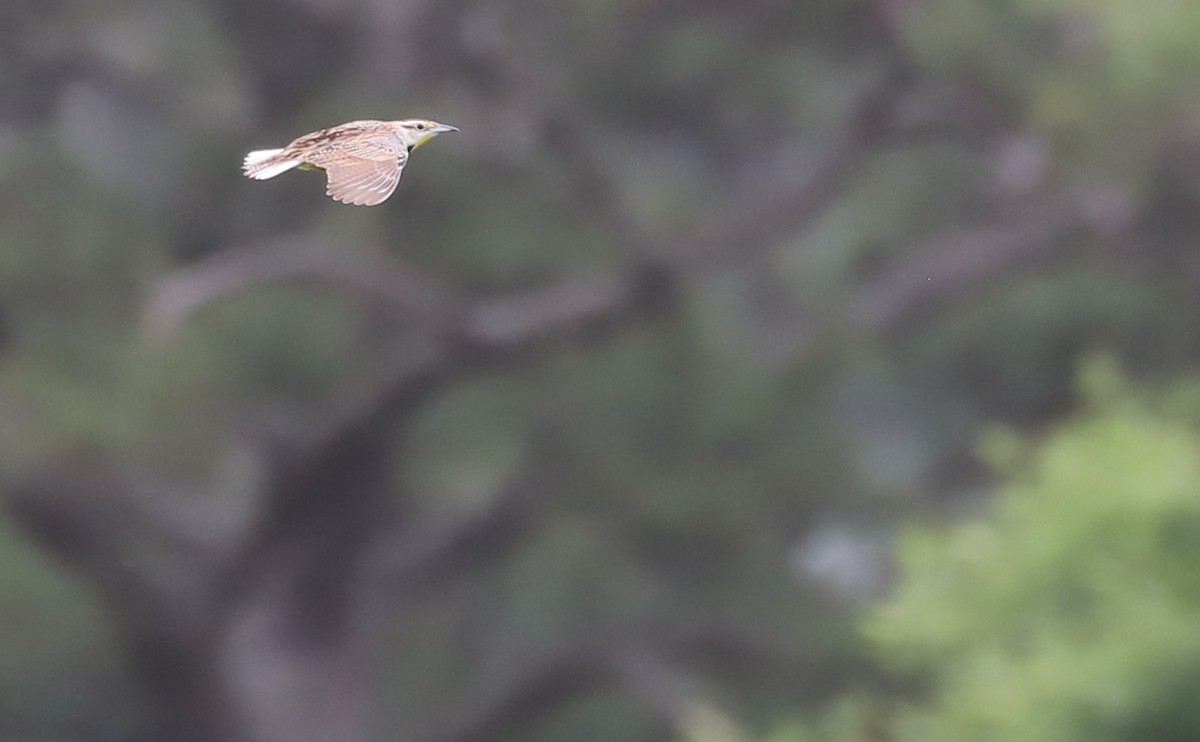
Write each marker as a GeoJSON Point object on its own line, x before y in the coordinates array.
{"type": "Point", "coordinates": [381, 145]}
{"type": "Point", "coordinates": [369, 139]}
{"type": "Point", "coordinates": [363, 182]}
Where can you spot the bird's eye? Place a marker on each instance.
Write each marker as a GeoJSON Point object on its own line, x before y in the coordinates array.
{"type": "Point", "coordinates": [420, 127]}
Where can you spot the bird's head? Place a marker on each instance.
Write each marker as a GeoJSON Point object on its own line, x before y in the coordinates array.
{"type": "Point", "coordinates": [415, 132]}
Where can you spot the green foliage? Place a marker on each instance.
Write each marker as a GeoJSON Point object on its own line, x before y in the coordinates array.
{"type": "Point", "coordinates": [1096, 78]}
{"type": "Point", "coordinates": [1146, 42]}
{"type": "Point", "coordinates": [467, 446]}
{"type": "Point", "coordinates": [849, 719]}
{"type": "Point", "coordinates": [56, 648]}
{"type": "Point", "coordinates": [1068, 612]}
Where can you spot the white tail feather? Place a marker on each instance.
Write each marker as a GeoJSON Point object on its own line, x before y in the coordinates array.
{"type": "Point", "coordinates": [260, 156]}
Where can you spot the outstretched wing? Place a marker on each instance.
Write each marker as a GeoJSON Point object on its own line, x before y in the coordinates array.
{"type": "Point", "coordinates": [363, 182]}
{"type": "Point", "coordinates": [362, 160]}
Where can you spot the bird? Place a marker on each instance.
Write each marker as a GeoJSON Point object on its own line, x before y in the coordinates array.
{"type": "Point", "coordinates": [362, 160]}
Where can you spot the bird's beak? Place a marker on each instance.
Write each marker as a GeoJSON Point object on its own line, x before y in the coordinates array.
{"type": "Point", "coordinates": [442, 129]}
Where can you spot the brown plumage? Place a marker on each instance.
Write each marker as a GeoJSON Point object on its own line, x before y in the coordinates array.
{"type": "Point", "coordinates": [362, 160]}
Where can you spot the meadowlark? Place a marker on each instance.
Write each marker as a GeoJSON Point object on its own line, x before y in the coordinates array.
{"type": "Point", "coordinates": [362, 160]}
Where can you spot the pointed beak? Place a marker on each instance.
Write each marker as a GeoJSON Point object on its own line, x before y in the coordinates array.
{"type": "Point", "coordinates": [442, 129]}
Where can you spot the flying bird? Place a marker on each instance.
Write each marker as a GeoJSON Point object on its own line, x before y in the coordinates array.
{"type": "Point", "coordinates": [362, 160]}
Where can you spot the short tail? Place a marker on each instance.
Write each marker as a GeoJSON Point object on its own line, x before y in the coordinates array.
{"type": "Point", "coordinates": [265, 163]}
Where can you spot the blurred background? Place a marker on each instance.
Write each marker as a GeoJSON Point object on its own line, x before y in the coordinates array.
{"type": "Point", "coordinates": [743, 371]}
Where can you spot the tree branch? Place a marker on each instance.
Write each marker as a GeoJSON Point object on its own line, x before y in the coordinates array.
{"type": "Point", "coordinates": [430, 555]}
{"type": "Point", "coordinates": [776, 210]}
{"type": "Point", "coordinates": [380, 279]}
{"type": "Point", "coordinates": [958, 265]}
{"type": "Point", "coordinates": [552, 684]}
